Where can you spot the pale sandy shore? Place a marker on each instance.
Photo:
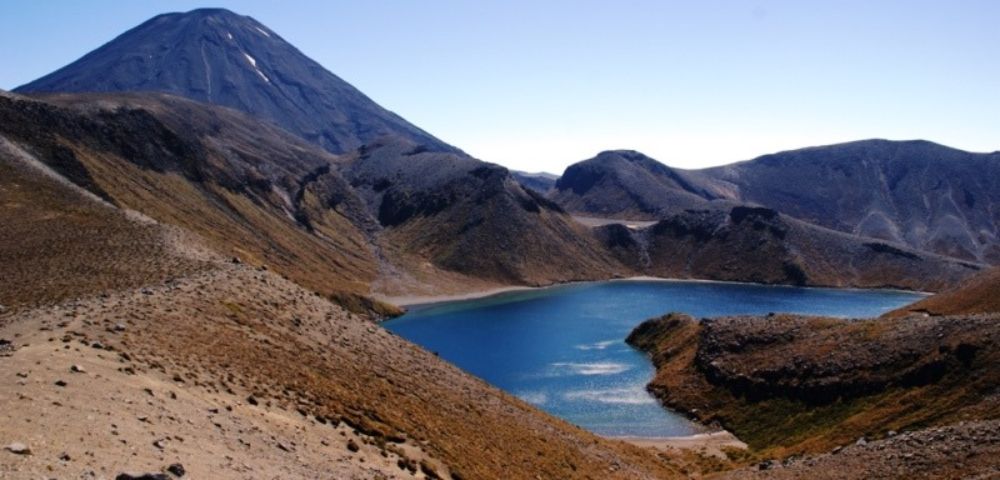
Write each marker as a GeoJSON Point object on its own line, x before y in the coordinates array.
{"type": "Point", "coordinates": [593, 222]}
{"type": "Point", "coordinates": [413, 300]}
{"type": "Point", "coordinates": [711, 443]}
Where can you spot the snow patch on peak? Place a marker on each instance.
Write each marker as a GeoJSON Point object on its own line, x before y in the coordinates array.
{"type": "Point", "coordinates": [229, 35]}
{"type": "Point", "coordinates": [263, 32]}
{"type": "Point", "coordinates": [253, 63]}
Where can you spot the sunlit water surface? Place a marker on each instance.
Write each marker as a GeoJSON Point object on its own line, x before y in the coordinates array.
{"type": "Point", "coordinates": [563, 350]}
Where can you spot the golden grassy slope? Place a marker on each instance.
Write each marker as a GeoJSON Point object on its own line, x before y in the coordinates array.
{"type": "Point", "coordinates": [57, 242]}
{"type": "Point", "coordinates": [979, 294]}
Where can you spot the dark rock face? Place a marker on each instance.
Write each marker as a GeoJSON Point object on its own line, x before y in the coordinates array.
{"type": "Point", "coordinates": [761, 245]}
{"type": "Point", "coordinates": [916, 193]}
{"type": "Point", "coordinates": [743, 354]}
{"type": "Point", "coordinates": [471, 217]}
{"type": "Point", "coordinates": [217, 56]}
{"type": "Point", "coordinates": [627, 184]}
{"type": "Point", "coordinates": [538, 182]}
{"type": "Point", "coordinates": [809, 384]}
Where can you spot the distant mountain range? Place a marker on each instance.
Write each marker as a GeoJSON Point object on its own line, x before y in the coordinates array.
{"type": "Point", "coordinates": [216, 56]}
{"type": "Point", "coordinates": [914, 193]}
{"type": "Point", "coordinates": [395, 211]}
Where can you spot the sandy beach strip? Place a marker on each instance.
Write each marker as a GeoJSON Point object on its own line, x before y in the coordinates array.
{"type": "Point", "coordinates": [414, 300]}
{"type": "Point", "coordinates": [711, 443]}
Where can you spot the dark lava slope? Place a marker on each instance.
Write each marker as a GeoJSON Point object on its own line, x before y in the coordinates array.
{"type": "Point", "coordinates": [754, 244]}
{"type": "Point", "coordinates": [472, 217]}
{"type": "Point", "coordinates": [915, 193]}
{"type": "Point", "coordinates": [627, 184]}
{"type": "Point", "coordinates": [216, 56]}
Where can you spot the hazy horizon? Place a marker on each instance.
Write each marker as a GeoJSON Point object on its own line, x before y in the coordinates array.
{"type": "Point", "coordinates": [538, 87]}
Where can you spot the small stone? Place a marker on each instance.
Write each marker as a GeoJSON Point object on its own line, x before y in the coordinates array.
{"type": "Point", "coordinates": [861, 441]}
{"type": "Point", "coordinates": [252, 400]}
{"type": "Point", "coordinates": [177, 469]}
{"type": "Point", "coordinates": [64, 457]}
{"type": "Point", "coordinates": [352, 446]}
{"type": "Point", "coordinates": [282, 446]}
{"type": "Point", "coordinates": [142, 476]}
{"type": "Point", "coordinates": [60, 383]}
{"type": "Point", "coordinates": [77, 369]}
{"type": "Point", "coordinates": [18, 448]}
{"type": "Point", "coordinates": [160, 444]}
{"type": "Point", "coordinates": [97, 345]}
{"type": "Point", "coordinates": [119, 327]}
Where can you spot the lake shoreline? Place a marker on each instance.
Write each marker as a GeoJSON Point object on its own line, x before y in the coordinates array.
{"type": "Point", "coordinates": [408, 301]}
{"type": "Point", "coordinates": [562, 345]}
{"type": "Point", "coordinates": [712, 443]}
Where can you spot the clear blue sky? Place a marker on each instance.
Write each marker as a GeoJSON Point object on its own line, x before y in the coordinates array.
{"type": "Point", "coordinates": [537, 85]}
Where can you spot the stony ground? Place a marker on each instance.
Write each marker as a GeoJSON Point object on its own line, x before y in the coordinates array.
{"type": "Point", "coordinates": [972, 448]}
{"type": "Point", "coordinates": [321, 381]}
{"type": "Point", "coordinates": [82, 416]}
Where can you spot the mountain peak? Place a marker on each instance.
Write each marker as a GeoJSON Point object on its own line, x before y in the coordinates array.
{"type": "Point", "coordinates": [217, 56]}
{"type": "Point", "coordinates": [211, 12]}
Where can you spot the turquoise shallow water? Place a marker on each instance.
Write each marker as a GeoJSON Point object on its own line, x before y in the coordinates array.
{"type": "Point", "coordinates": [563, 348]}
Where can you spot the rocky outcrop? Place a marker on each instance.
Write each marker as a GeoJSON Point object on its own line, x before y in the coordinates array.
{"type": "Point", "coordinates": [787, 384]}
{"type": "Point", "coordinates": [776, 357]}
{"type": "Point", "coordinates": [626, 184]}
{"type": "Point", "coordinates": [757, 244]}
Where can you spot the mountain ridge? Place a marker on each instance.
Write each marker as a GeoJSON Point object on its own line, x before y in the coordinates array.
{"type": "Point", "coordinates": [916, 193]}
{"type": "Point", "coordinates": [217, 56]}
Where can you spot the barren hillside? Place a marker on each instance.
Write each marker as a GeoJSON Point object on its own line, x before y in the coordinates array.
{"type": "Point", "coordinates": [760, 245]}
{"type": "Point", "coordinates": [159, 352]}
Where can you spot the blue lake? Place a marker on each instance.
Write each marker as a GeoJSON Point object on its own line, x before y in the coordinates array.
{"type": "Point", "coordinates": [563, 348]}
